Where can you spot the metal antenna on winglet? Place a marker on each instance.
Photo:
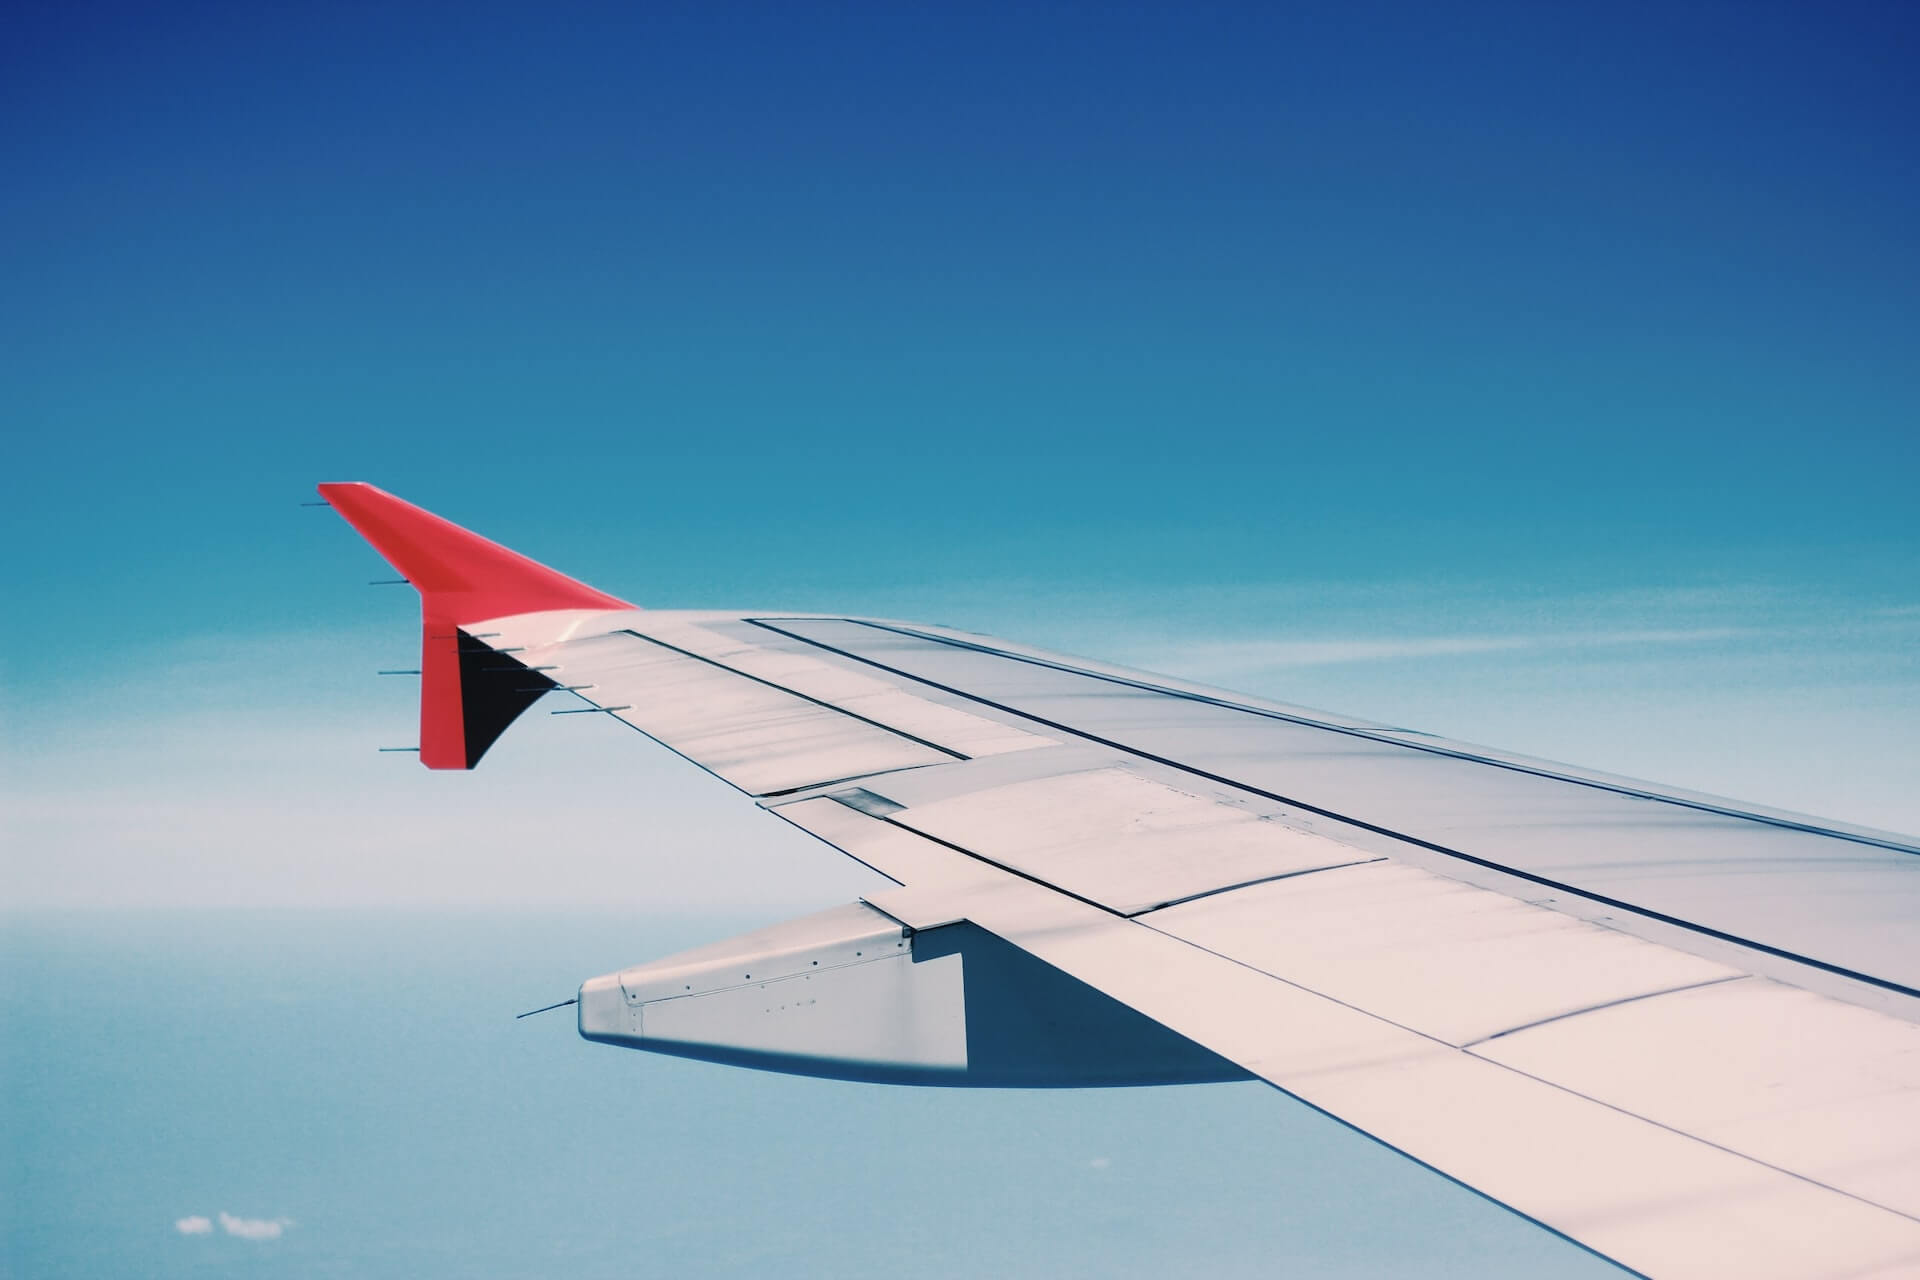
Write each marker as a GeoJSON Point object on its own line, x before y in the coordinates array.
{"type": "Point", "coordinates": [546, 1008]}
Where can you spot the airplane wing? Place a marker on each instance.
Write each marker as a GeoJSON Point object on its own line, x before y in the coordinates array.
{"type": "Point", "coordinates": [1677, 1030]}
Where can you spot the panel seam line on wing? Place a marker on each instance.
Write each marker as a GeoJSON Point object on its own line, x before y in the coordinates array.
{"type": "Point", "coordinates": [1606, 1004]}
{"type": "Point", "coordinates": [1258, 880]}
{"type": "Point", "coordinates": [978, 857]}
{"type": "Point", "coordinates": [795, 693]}
{"type": "Point", "coordinates": [788, 795]}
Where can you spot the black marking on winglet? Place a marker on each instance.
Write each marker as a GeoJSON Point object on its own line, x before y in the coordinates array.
{"type": "Point", "coordinates": [493, 696]}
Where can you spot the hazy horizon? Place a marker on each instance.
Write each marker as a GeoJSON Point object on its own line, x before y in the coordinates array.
{"type": "Point", "coordinates": [347, 1092]}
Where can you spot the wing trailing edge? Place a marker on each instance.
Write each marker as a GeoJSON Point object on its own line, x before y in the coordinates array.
{"type": "Point", "coordinates": [469, 693]}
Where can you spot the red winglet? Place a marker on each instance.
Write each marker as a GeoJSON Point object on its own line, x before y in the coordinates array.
{"type": "Point", "coordinates": [462, 578]}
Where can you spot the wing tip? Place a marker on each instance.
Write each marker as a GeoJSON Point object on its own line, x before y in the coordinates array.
{"type": "Point", "coordinates": [462, 577]}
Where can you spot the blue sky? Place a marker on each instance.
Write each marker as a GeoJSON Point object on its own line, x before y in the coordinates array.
{"type": "Point", "coordinates": [1536, 375]}
{"type": "Point", "coordinates": [1549, 374]}
{"type": "Point", "coordinates": [701, 300]}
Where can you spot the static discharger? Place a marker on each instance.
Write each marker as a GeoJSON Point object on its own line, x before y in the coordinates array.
{"type": "Point", "coordinates": [548, 1008]}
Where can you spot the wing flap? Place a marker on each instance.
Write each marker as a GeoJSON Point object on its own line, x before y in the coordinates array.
{"type": "Point", "coordinates": [1790, 1078]}
{"type": "Point", "coordinates": [1649, 1194]}
{"type": "Point", "coordinates": [1115, 837]}
{"type": "Point", "coordinates": [1443, 958]}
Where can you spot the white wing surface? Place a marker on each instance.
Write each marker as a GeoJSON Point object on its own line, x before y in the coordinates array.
{"type": "Point", "coordinates": [1677, 1030]}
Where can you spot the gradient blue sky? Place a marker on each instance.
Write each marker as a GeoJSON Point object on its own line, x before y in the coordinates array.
{"type": "Point", "coordinates": [1537, 375]}
{"type": "Point", "coordinates": [1527, 374]}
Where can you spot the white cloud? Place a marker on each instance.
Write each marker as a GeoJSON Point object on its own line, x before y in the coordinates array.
{"type": "Point", "coordinates": [253, 1228]}
{"type": "Point", "coordinates": [1260, 655]}
{"type": "Point", "coordinates": [242, 772]}
{"type": "Point", "coordinates": [249, 794]}
{"type": "Point", "coordinates": [1098, 1162]}
{"type": "Point", "coordinates": [193, 1226]}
